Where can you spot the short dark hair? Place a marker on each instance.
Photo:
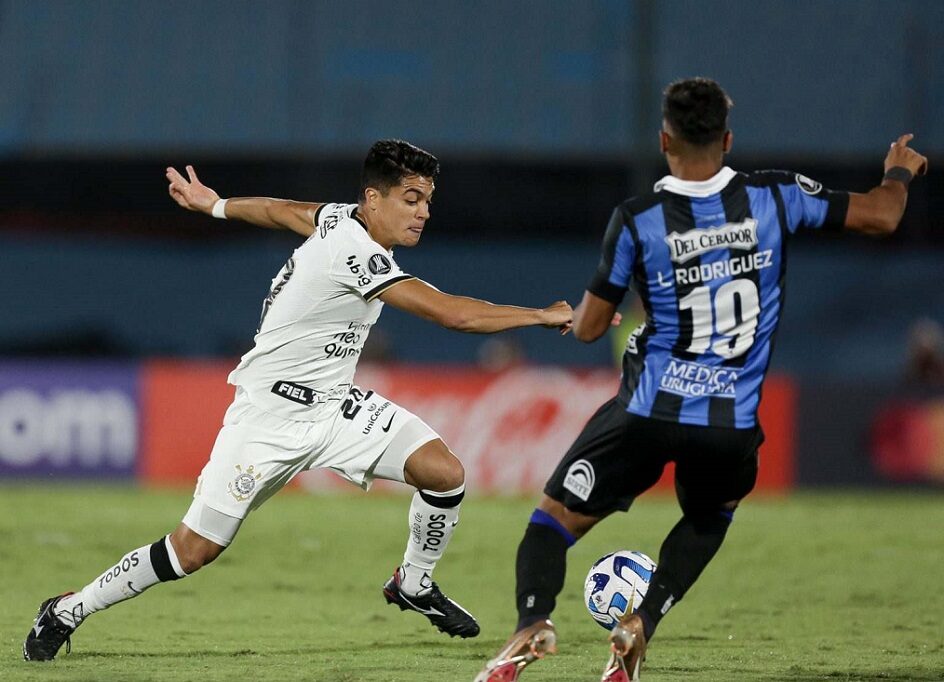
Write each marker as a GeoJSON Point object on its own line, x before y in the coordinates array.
{"type": "Point", "coordinates": [389, 161]}
{"type": "Point", "coordinates": [696, 110]}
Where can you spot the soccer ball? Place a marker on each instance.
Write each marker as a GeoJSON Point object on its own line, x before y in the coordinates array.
{"type": "Point", "coordinates": [615, 583]}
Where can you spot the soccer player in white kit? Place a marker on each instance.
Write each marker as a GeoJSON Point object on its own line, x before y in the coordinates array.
{"type": "Point", "coordinates": [296, 407]}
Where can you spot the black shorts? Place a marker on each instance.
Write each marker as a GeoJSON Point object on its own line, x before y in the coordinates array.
{"type": "Point", "coordinates": [619, 455]}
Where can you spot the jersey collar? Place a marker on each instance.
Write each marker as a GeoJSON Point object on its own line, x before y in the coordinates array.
{"type": "Point", "coordinates": [359, 219]}
{"type": "Point", "coordinates": [363, 224]}
{"type": "Point", "coordinates": [692, 188]}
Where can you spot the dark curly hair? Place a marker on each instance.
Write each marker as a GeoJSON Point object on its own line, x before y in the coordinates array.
{"type": "Point", "coordinates": [696, 110]}
{"type": "Point", "coordinates": [389, 161]}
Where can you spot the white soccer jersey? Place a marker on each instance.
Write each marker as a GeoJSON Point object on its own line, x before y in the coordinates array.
{"type": "Point", "coordinates": [316, 318]}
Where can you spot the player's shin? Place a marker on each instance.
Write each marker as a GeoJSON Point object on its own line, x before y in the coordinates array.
{"type": "Point", "coordinates": [433, 518]}
{"type": "Point", "coordinates": [130, 576]}
{"type": "Point", "coordinates": [541, 567]}
{"type": "Point", "coordinates": [685, 553]}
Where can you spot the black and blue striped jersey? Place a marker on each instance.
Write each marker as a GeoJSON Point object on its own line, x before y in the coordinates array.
{"type": "Point", "coordinates": [708, 261]}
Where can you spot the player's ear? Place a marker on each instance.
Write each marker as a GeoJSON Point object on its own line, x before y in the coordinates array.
{"type": "Point", "coordinates": [727, 141]}
{"type": "Point", "coordinates": [370, 198]}
{"type": "Point", "coordinates": [664, 141]}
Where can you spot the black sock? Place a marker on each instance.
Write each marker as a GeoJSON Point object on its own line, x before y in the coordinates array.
{"type": "Point", "coordinates": [540, 568]}
{"type": "Point", "coordinates": [687, 549]}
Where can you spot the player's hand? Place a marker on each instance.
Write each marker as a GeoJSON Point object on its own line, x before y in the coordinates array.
{"type": "Point", "coordinates": [902, 155]}
{"type": "Point", "coordinates": [615, 322]}
{"type": "Point", "coordinates": [558, 315]}
{"type": "Point", "coordinates": [192, 195]}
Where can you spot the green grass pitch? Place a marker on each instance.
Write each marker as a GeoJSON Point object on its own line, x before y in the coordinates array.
{"type": "Point", "coordinates": [837, 586]}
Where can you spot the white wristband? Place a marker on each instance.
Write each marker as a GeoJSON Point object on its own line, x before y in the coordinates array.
{"type": "Point", "coordinates": [219, 209]}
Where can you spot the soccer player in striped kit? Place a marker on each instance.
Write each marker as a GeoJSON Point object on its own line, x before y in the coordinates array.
{"type": "Point", "coordinates": [705, 252]}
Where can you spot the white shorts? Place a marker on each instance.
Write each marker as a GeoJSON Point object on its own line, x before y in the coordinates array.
{"type": "Point", "coordinates": [257, 453]}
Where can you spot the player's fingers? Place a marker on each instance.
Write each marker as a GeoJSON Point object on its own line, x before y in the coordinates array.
{"type": "Point", "coordinates": [176, 195]}
{"type": "Point", "coordinates": [176, 188]}
{"type": "Point", "coordinates": [174, 176]}
{"type": "Point", "coordinates": [903, 140]}
{"type": "Point", "coordinates": [192, 174]}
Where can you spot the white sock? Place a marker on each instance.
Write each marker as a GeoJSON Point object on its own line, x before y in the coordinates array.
{"type": "Point", "coordinates": [132, 575]}
{"type": "Point", "coordinates": [431, 528]}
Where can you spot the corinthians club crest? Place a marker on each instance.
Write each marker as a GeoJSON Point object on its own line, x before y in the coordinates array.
{"type": "Point", "coordinates": [245, 482]}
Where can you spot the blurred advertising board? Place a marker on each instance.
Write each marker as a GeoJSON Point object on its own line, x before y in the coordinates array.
{"type": "Point", "coordinates": [68, 419]}
{"type": "Point", "coordinates": [508, 428]}
{"type": "Point", "coordinates": [158, 420]}
{"type": "Point", "coordinates": [183, 403]}
{"type": "Point", "coordinates": [908, 440]}
{"type": "Point", "coordinates": [869, 434]}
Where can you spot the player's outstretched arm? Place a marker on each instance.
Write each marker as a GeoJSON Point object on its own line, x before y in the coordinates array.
{"type": "Point", "coordinates": [880, 209]}
{"type": "Point", "coordinates": [472, 315]}
{"type": "Point", "coordinates": [193, 195]}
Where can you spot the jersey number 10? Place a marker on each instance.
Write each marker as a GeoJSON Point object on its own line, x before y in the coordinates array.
{"type": "Point", "coordinates": [733, 316]}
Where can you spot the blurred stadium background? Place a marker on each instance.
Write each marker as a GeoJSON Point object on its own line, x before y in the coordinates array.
{"type": "Point", "coordinates": [123, 313]}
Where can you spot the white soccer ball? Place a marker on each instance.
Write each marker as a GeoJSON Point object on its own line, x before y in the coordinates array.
{"type": "Point", "coordinates": [615, 583]}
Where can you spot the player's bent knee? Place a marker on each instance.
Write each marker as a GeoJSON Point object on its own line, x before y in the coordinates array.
{"type": "Point", "coordinates": [453, 475]}
{"type": "Point", "coordinates": [444, 480]}
{"type": "Point", "coordinates": [433, 467]}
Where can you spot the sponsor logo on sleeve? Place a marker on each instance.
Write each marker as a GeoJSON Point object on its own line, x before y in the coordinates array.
{"type": "Point", "coordinates": [808, 185]}
{"type": "Point", "coordinates": [580, 479]}
{"type": "Point", "coordinates": [329, 223]}
{"type": "Point", "coordinates": [379, 264]}
{"type": "Point", "coordinates": [363, 279]}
